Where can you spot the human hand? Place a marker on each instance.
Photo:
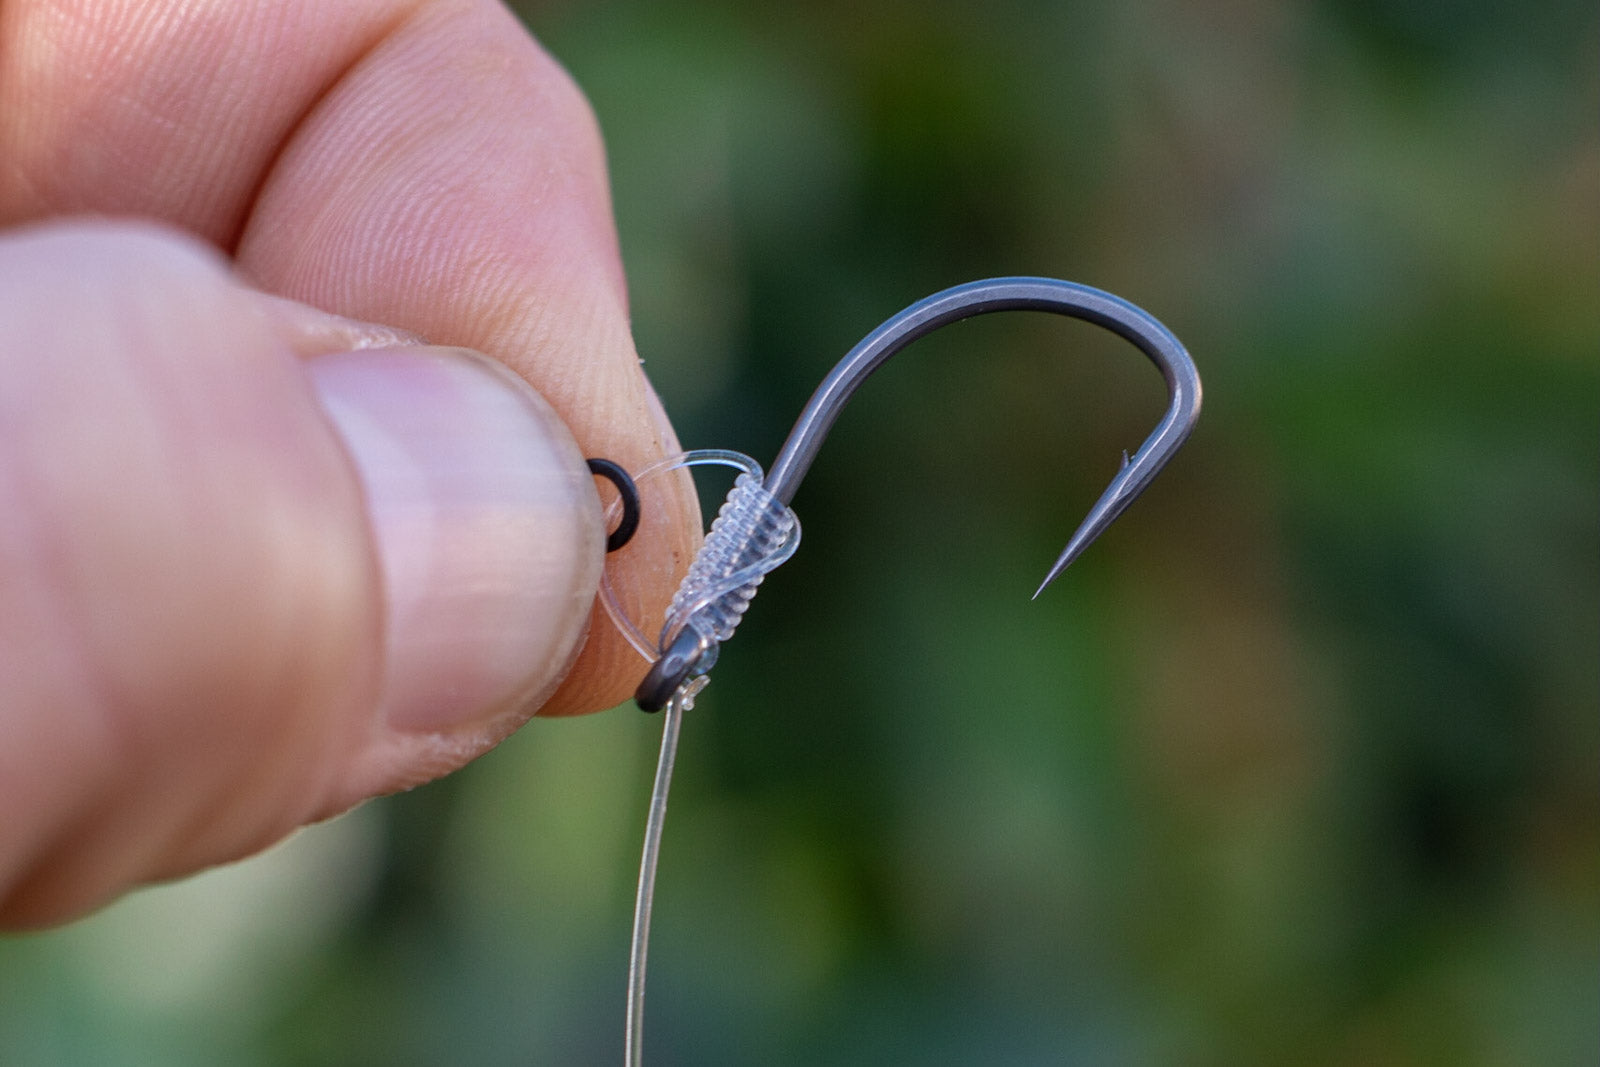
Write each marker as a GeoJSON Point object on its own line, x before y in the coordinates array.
{"type": "Point", "coordinates": [249, 577]}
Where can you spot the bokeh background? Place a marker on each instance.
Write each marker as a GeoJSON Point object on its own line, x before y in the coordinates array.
{"type": "Point", "coordinates": [1297, 765]}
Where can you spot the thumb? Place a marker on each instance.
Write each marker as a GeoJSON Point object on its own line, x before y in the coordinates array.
{"type": "Point", "coordinates": [241, 589]}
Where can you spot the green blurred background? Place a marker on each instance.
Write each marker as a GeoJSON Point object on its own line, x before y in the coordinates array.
{"type": "Point", "coordinates": [1297, 765]}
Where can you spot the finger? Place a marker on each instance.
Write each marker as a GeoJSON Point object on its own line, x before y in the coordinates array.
{"type": "Point", "coordinates": [240, 590]}
{"type": "Point", "coordinates": [512, 218]}
{"type": "Point", "coordinates": [420, 164]}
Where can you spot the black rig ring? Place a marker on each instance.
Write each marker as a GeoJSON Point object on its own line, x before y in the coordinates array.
{"type": "Point", "coordinates": [613, 473]}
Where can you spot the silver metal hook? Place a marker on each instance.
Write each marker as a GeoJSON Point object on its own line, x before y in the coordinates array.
{"type": "Point", "coordinates": [681, 657]}
{"type": "Point", "coordinates": [756, 530]}
{"type": "Point", "coordinates": [1011, 294]}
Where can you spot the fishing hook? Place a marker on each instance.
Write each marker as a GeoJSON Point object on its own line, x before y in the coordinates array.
{"type": "Point", "coordinates": [691, 650]}
{"type": "Point", "coordinates": [756, 530]}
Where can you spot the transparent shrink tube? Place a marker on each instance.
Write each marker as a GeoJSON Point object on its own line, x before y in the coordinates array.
{"type": "Point", "coordinates": [752, 534]}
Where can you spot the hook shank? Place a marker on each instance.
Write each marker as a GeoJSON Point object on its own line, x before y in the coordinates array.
{"type": "Point", "coordinates": [1011, 294]}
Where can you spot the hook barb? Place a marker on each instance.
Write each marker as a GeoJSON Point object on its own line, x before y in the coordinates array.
{"type": "Point", "coordinates": [1012, 294]}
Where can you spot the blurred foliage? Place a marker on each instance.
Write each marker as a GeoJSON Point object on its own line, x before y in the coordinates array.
{"type": "Point", "coordinates": [1298, 765]}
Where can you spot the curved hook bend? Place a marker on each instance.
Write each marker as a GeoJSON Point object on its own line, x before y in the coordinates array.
{"type": "Point", "coordinates": [1011, 294]}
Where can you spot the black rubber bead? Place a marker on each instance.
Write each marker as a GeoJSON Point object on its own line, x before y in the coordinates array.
{"type": "Point", "coordinates": [611, 472]}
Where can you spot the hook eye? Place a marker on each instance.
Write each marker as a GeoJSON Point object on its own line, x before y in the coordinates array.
{"type": "Point", "coordinates": [629, 524]}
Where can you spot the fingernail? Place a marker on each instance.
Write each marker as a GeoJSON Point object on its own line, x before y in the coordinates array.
{"type": "Point", "coordinates": [487, 523]}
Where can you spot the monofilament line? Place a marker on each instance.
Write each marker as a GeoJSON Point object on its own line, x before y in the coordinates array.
{"type": "Point", "coordinates": [634, 1036]}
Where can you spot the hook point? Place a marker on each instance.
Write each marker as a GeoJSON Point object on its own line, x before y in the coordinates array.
{"type": "Point", "coordinates": [1074, 549]}
{"type": "Point", "coordinates": [1128, 483]}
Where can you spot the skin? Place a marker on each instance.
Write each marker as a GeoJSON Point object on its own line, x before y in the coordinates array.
{"type": "Point", "coordinates": [423, 166]}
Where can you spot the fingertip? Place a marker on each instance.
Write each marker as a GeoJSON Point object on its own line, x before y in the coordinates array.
{"type": "Point", "coordinates": [645, 573]}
